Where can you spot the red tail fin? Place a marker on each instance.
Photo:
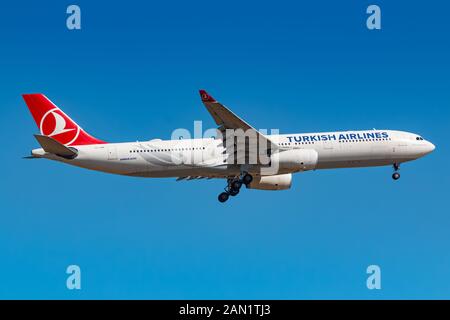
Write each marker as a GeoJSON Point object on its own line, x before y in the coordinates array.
{"type": "Point", "coordinates": [54, 123]}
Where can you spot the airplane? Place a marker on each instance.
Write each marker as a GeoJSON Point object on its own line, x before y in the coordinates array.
{"type": "Point", "coordinates": [223, 156]}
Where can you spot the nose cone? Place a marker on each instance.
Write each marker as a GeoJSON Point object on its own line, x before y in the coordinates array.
{"type": "Point", "coordinates": [429, 147]}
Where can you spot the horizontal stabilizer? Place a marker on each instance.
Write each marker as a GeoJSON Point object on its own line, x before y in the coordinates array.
{"type": "Point", "coordinates": [50, 145]}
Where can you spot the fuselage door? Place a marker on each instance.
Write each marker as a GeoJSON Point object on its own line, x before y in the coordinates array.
{"type": "Point", "coordinates": [328, 145]}
{"type": "Point", "coordinates": [400, 149]}
{"type": "Point", "coordinates": [112, 153]}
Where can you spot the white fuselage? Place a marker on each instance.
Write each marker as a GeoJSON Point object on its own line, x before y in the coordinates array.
{"type": "Point", "coordinates": [206, 157]}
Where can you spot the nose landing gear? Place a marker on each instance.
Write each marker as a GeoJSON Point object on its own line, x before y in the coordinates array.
{"type": "Point", "coordinates": [396, 175]}
{"type": "Point", "coordinates": [234, 186]}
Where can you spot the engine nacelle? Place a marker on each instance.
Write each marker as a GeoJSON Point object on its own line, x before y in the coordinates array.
{"type": "Point", "coordinates": [295, 160]}
{"type": "Point", "coordinates": [276, 182]}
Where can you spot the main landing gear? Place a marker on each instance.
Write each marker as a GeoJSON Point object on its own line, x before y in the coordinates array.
{"type": "Point", "coordinates": [396, 175]}
{"type": "Point", "coordinates": [234, 186]}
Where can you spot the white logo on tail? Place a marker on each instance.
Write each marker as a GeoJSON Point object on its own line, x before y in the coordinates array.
{"type": "Point", "coordinates": [59, 126]}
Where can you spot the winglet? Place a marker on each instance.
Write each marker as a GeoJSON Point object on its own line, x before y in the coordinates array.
{"type": "Point", "coordinates": [206, 97]}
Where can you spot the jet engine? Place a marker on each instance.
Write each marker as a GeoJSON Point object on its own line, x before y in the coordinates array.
{"type": "Point", "coordinates": [276, 182]}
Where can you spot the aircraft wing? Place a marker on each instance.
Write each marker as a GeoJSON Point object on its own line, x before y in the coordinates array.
{"type": "Point", "coordinates": [226, 119]}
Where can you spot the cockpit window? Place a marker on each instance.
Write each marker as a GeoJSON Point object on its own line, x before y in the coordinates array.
{"type": "Point", "coordinates": [419, 138]}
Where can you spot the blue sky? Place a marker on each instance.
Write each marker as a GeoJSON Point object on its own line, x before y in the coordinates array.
{"type": "Point", "coordinates": [132, 73]}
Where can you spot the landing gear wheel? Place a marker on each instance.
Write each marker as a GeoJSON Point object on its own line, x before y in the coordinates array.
{"type": "Point", "coordinates": [223, 197]}
{"type": "Point", "coordinates": [396, 176]}
{"type": "Point", "coordinates": [236, 185]}
{"type": "Point", "coordinates": [234, 192]}
{"type": "Point", "coordinates": [247, 179]}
